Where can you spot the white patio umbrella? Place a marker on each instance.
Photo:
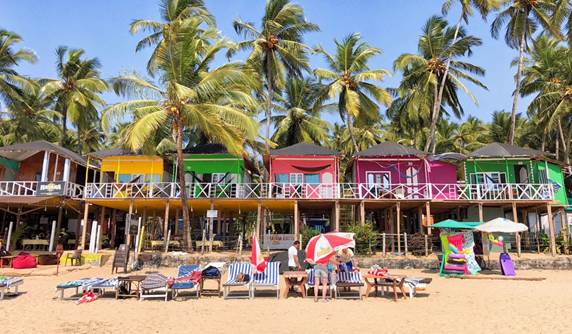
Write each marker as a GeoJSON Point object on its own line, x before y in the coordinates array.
{"type": "Point", "coordinates": [501, 225]}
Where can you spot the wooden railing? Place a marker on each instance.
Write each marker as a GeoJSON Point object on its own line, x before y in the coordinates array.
{"type": "Point", "coordinates": [429, 191]}
{"type": "Point", "coordinates": [30, 188]}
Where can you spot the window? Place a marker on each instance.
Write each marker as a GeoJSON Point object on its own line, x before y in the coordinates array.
{"type": "Point", "coordinates": [281, 178]}
{"type": "Point", "coordinates": [296, 178]}
{"type": "Point", "coordinates": [488, 178]}
{"type": "Point", "coordinates": [218, 177]}
{"type": "Point", "coordinates": [153, 178]}
{"type": "Point", "coordinates": [312, 178]}
{"type": "Point", "coordinates": [124, 178]}
{"type": "Point", "coordinates": [378, 178]}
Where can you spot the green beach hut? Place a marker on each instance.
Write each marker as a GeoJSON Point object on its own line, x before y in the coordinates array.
{"type": "Point", "coordinates": [498, 164]}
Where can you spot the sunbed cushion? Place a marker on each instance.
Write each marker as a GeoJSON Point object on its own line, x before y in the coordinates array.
{"type": "Point", "coordinates": [105, 284]}
{"type": "Point", "coordinates": [235, 269]}
{"type": "Point", "coordinates": [350, 277]}
{"type": "Point", "coordinates": [79, 282]}
{"type": "Point", "coordinates": [269, 276]}
{"type": "Point", "coordinates": [154, 281]}
{"type": "Point", "coordinates": [8, 281]}
{"type": "Point", "coordinates": [186, 270]}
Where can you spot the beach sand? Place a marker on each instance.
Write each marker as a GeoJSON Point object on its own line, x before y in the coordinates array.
{"type": "Point", "coordinates": [449, 306]}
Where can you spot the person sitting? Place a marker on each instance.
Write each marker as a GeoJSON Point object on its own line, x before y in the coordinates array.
{"type": "Point", "coordinates": [347, 260]}
{"type": "Point", "coordinates": [3, 251]}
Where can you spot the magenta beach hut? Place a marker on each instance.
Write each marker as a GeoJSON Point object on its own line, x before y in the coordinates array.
{"type": "Point", "coordinates": [394, 171]}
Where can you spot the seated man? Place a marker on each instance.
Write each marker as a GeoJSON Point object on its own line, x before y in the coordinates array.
{"type": "Point", "coordinates": [347, 261]}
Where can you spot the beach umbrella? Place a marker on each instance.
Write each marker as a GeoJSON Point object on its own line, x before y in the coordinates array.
{"type": "Point", "coordinates": [323, 246]}
{"type": "Point", "coordinates": [501, 225]}
{"type": "Point", "coordinates": [256, 259]}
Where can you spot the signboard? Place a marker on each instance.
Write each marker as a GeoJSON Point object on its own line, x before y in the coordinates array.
{"type": "Point", "coordinates": [212, 213]}
{"type": "Point", "coordinates": [51, 188]}
{"type": "Point", "coordinates": [277, 241]}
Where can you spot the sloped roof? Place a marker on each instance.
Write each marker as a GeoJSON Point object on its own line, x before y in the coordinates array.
{"type": "Point", "coordinates": [20, 152]}
{"type": "Point", "coordinates": [500, 150]}
{"type": "Point", "coordinates": [389, 149]}
{"type": "Point", "coordinates": [111, 152]}
{"type": "Point", "coordinates": [303, 149]}
{"type": "Point", "coordinates": [211, 148]}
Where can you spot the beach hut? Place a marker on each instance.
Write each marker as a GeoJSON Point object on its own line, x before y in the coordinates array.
{"type": "Point", "coordinates": [303, 171]}
{"type": "Point", "coordinates": [119, 165]}
{"type": "Point", "coordinates": [214, 172]}
{"type": "Point", "coordinates": [392, 170]}
{"type": "Point", "coordinates": [40, 176]}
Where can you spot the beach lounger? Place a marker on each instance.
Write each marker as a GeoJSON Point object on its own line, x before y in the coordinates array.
{"type": "Point", "coordinates": [8, 283]}
{"type": "Point", "coordinates": [415, 284]}
{"type": "Point", "coordinates": [349, 279]}
{"type": "Point", "coordinates": [233, 271]}
{"type": "Point", "coordinates": [103, 285]}
{"type": "Point", "coordinates": [154, 286]}
{"type": "Point", "coordinates": [311, 280]}
{"type": "Point", "coordinates": [184, 271]}
{"type": "Point", "coordinates": [268, 278]}
{"type": "Point", "coordinates": [80, 284]}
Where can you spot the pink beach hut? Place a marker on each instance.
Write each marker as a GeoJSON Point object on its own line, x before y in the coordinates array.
{"type": "Point", "coordinates": [391, 170]}
{"type": "Point", "coordinates": [303, 171]}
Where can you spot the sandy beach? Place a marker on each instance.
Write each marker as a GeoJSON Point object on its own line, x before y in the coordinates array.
{"type": "Point", "coordinates": [449, 306]}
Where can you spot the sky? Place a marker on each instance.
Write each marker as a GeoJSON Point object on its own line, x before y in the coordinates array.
{"type": "Point", "coordinates": [101, 28]}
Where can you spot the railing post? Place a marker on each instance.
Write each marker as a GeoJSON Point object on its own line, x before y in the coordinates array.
{"type": "Point", "coordinates": [430, 190]}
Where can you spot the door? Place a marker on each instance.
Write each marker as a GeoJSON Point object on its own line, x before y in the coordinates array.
{"type": "Point", "coordinates": [412, 181]}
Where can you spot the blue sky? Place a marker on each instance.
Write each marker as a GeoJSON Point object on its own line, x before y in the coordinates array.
{"type": "Point", "coordinates": [101, 28]}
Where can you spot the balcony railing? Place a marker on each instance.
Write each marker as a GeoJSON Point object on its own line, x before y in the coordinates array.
{"type": "Point", "coordinates": [359, 191]}
{"type": "Point", "coordinates": [30, 188]}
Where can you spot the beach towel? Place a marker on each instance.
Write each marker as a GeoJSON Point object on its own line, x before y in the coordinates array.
{"type": "Point", "coordinates": [468, 244]}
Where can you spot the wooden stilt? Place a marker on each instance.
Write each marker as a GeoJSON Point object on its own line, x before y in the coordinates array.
{"type": "Point", "coordinates": [258, 220]}
{"type": "Point", "coordinates": [296, 221]}
{"type": "Point", "coordinates": [481, 216]}
{"type": "Point", "coordinates": [84, 226]}
{"type": "Point", "coordinates": [166, 222]}
{"type": "Point", "coordinates": [516, 235]}
{"type": "Point", "coordinates": [551, 230]}
{"type": "Point", "coordinates": [113, 229]}
{"type": "Point", "coordinates": [362, 213]}
{"type": "Point", "coordinates": [337, 216]}
{"type": "Point", "coordinates": [564, 223]}
{"type": "Point", "coordinates": [420, 219]}
{"type": "Point", "coordinates": [429, 218]}
{"type": "Point", "coordinates": [398, 224]}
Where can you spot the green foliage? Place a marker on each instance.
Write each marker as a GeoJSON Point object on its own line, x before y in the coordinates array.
{"type": "Point", "coordinates": [308, 233]}
{"type": "Point", "coordinates": [366, 237]}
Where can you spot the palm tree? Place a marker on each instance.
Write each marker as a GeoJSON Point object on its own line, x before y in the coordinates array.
{"type": "Point", "coordinates": [446, 136]}
{"type": "Point", "coordinates": [301, 121]}
{"type": "Point", "coordinates": [471, 135]}
{"type": "Point", "coordinates": [189, 97]}
{"type": "Point", "coordinates": [438, 46]}
{"type": "Point", "coordinates": [11, 83]}
{"type": "Point", "coordinates": [29, 117]}
{"type": "Point", "coordinates": [176, 14]}
{"type": "Point", "coordinates": [277, 49]}
{"type": "Point", "coordinates": [522, 18]}
{"type": "Point", "coordinates": [467, 9]}
{"type": "Point", "coordinates": [76, 92]}
{"type": "Point", "coordinates": [499, 130]}
{"type": "Point", "coordinates": [350, 82]}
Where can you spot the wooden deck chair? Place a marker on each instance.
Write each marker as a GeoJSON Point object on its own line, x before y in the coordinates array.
{"type": "Point", "coordinates": [185, 271]}
{"type": "Point", "coordinates": [120, 259]}
{"type": "Point", "coordinates": [7, 284]}
{"type": "Point", "coordinates": [154, 286]}
{"type": "Point", "coordinates": [235, 269]}
{"type": "Point", "coordinates": [268, 278]}
{"type": "Point", "coordinates": [349, 279]}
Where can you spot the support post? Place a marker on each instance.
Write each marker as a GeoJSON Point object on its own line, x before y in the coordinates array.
{"type": "Point", "coordinates": [428, 217]}
{"type": "Point", "coordinates": [258, 219]}
{"type": "Point", "coordinates": [66, 176]}
{"type": "Point", "coordinates": [383, 249]}
{"type": "Point", "coordinates": [296, 221]}
{"type": "Point", "coordinates": [405, 243]}
{"type": "Point", "coordinates": [481, 216]}
{"type": "Point", "coordinates": [45, 167]}
{"type": "Point", "coordinates": [336, 216]}
{"type": "Point", "coordinates": [362, 213]}
{"type": "Point", "coordinates": [211, 234]}
{"type": "Point", "coordinates": [564, 224]}
{"type": "Point", "coordinates": [84, 225]}
{"type": "Point", "coordinates": [517, 235]}
{"type": "Point", "coordinates": [52, 236]}
{"type": "Point", "coordinates": [9, 238]}
{"type": "Point", "coordinates": [166, 225]}
{"type": "Point", "coordinates": [551, 230]}
{"type": "Point", "coordinates": [60, 217]}
{"type": "Point", "coordinates": [426, 245]}
{"type": "Point", "coordinates": [398, 225]}
{"type": "Point", "coordinates": [420, 219]}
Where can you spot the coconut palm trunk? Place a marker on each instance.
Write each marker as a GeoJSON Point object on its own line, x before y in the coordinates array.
{"type": "Point", "coordinates": [64, 126]}
{"type": "Point", "coordinates": [182, 183]}
{"type": "Point", "coordinates": [517, 90]}
{"type": "Point", "coordinates": [351, 132]}
{"type": "Point", "coordinates": [432, 143]}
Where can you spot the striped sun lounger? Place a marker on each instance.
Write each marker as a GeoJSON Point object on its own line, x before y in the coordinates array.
{"type": "Point", "coordinates": [415, 284]}
{"type": "Point", "coordinates": [103, 285]}
{"type": "Point", "coordinates": [349, 279]}
{"type": "Point", "coordinates": [82, 283]}
{"type": "Point", "coordinates": [233, 271]}
{"type": "Point", "coordinates": [8, 283]}
{"type": "Point", "coordinates": [312, 279]}
{"type": "Point", "coordinates": [154, 286]}
{"type": "Point", "coordinates": [267, 278]}
{"type": "Point", "coordinates": [185, 270]}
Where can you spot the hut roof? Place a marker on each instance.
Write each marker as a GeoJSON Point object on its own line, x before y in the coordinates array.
{"type": "Point", "coordinates": [20, 152]}
{"type": "Point", "coordinates": [500, 150]}
{"type": "Point", "coordinates": [389, 149]}
{"type": "Point", "coordinates": [303, 149]}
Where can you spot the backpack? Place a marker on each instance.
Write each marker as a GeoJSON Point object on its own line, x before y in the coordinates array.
{"type": "Point", "coordinates": [211, 272]}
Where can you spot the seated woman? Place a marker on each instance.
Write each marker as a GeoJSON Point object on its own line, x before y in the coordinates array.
{"type": "Point", "coordinates": [347, 260]}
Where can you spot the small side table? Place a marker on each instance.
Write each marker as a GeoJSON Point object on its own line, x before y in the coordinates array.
{"type": "Point", "coordinates": [8, 259]}
{"type": "Point", "coordinates": [210, 292]}
{"type": "Point", "coordinates": [131, 284]}
{"type": "Point", "coordinates": [300, 277]}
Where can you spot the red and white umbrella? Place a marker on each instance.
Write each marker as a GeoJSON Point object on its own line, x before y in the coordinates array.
{"type": "Point", "coordinates": [257, 261]}
{"type": "Point", "coordinates": [322, 247]}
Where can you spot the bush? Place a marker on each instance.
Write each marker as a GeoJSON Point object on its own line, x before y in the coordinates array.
{"type": "Point", "coordinates": [366, 237]}
{"type": "Point", "coordinates": [308, 233]}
